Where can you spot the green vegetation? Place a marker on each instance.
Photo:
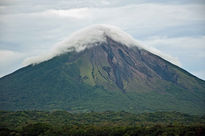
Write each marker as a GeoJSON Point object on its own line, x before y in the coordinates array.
{"type": "Point", "coordinates": [100, 80]}
{"type": "Point", "coordinates": [33, 123]}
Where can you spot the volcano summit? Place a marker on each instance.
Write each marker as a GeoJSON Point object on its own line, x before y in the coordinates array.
{"type": "Point", "coordinates": [102, 68]}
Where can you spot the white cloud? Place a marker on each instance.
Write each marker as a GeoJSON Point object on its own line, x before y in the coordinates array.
{"type": "Point", "coordinates": [34, 26]}
{"type": "Point", "coordinates": [79, 13]}
{"type": "Point", "coordinates": [91, 36]}
{"type": "Point", "coordinates": [51, 25]}
{"type": "Point", "coordinates": [86, 38]}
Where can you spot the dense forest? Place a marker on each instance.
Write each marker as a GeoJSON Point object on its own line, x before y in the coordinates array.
{"type": "Point", "coordinates": [33, 123]}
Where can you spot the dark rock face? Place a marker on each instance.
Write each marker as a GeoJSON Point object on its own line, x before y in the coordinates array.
{"type": "Point", "coordinates": [110, 76]}
{"type": "Point", "coordinates": [127, 63]}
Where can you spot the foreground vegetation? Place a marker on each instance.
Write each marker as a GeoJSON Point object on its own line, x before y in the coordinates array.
{"type": "Point", "coordinates": [32, 123]}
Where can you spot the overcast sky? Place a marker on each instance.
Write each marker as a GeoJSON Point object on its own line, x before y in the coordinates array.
{"type": "Point", "coordinates": [31, 27]}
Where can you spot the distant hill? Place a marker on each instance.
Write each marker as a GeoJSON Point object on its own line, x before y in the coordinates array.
{"type": "Point", "coordinates": [106, 75]}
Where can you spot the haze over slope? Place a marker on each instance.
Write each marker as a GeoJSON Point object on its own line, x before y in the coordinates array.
{"type": "Point", "coordinates": [107, 71]}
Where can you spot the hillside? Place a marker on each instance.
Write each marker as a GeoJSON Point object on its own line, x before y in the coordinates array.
{"type": "Point", "coordinates": [106, 75]}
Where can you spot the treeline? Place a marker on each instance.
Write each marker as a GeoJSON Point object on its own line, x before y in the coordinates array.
{"type": "Point", "coordinates": [32, 123]}
{"type": "Point", "coordinates": [43, 129]}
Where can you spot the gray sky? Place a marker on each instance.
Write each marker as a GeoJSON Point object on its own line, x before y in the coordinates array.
{"type": "Point", "coordinates": [31, 27]}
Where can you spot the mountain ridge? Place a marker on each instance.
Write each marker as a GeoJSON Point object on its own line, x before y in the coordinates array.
{"type": "Point", "coordinates": [110, 76]}
{"type": "Point", "coordinates": [91, 36]}
{"type": "Point", "coordinates": [85, 38]}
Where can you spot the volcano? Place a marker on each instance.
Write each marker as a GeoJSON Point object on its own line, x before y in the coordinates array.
{"type": "Point", "coordinates": [102, 68]}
